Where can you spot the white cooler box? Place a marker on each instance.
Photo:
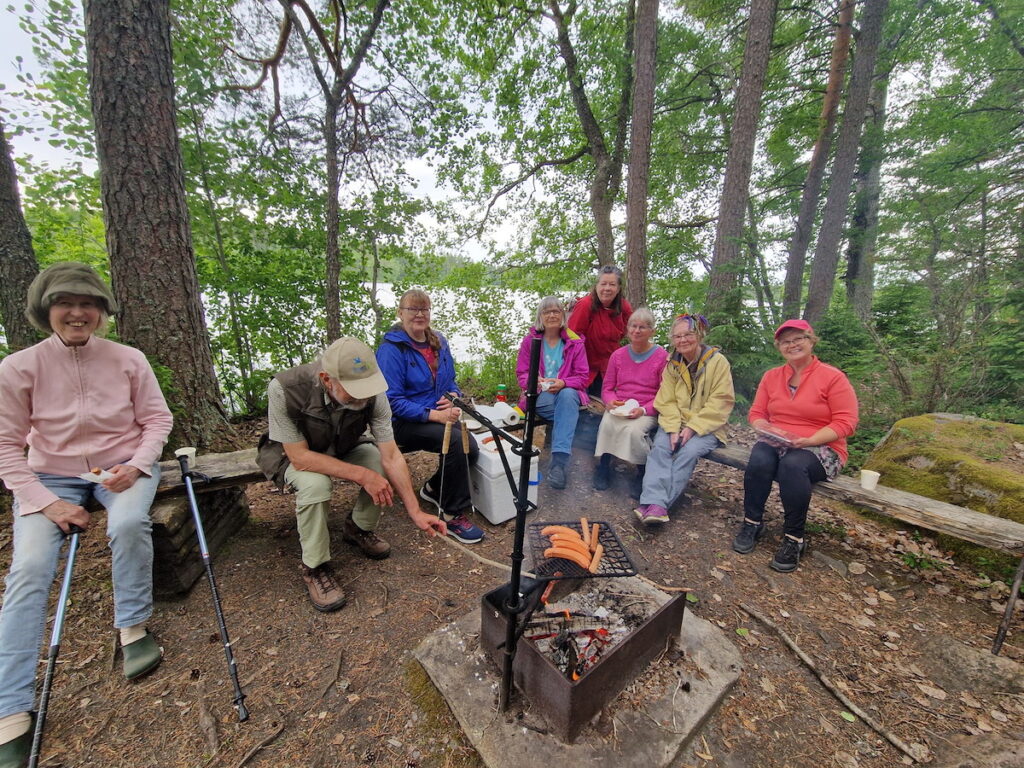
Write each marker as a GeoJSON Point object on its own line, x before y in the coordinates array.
{"type": "Point", "coordinates": [489, 485]}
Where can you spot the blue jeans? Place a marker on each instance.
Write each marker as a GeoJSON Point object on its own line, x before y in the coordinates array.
{"type": "Point", "coordinates": [37, 545]}
{"type": "Point", "coordinates": [668, 474]}
{"type": "Point", "coordinates": [563, 411]}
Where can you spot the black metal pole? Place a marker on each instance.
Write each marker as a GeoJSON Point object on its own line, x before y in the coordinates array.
{"type": "Point", "coordinates": [204, 550]}
{"type": "Point", "coordinates": [1004, 625]}
{"type": "Point", "coordinates": [51, 660]}
{"type": "Point", "coordinates": [513, 606]}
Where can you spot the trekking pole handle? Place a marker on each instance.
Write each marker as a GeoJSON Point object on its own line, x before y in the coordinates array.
{"type": "Point", "coordinates": [447, 441]}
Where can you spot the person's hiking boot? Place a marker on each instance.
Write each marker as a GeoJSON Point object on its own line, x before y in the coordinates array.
{"type": "Point", "coordinates": [324, 592]}
{"type": "Point", "coordinates": [141, 657]}
{"type": "Point", "coordinates": [787, 556]}
{"type": "Point", "coordinates": [460, 529]}
{"type": "Point", "coordinates": [747, 537]}
{"type": "Point", "coordinates": [651, 513]}
{"type": "Point", "coordinates": [14, 753]}
{"type": "Point", "coordinates": [636, 485]}
{"type": "Point", "coordinates": [371, 545]}
{"type": "Point", "coordinates": [557, 475]}
{"type": "Point", "coordinates": [602, 477]}
{"type": "Point", "coordinates": [429, 494]}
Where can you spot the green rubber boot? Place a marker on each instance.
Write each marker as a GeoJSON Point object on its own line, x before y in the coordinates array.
{"type": "Point", "coordinates": [14, 753]}
{"type": "Point", "coordinates": [141, 657]}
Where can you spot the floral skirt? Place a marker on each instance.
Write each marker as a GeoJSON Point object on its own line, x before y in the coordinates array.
{"type": "Point", "coordinates": [829, 459]}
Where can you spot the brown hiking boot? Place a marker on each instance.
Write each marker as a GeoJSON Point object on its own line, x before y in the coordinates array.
{"type": "Point", "coordinates": [324, 592]}
{"type": "Point", "coordinates": [372, 545]}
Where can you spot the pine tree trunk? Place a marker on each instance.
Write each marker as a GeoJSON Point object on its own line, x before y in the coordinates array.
{"type": "Point", "coordinates": [17, 259]}
{"type": "Point", "coordinates": [826, 253]}
{"type": "Point", "coordinates": [801, 240]}
{"type": "Point", "coordinates": [645, 50]}
{"type": "Point", "coordinates": [332, 296]}
{"type": "Point", "coordinates": [727, 262]}
{"type": "Point", "coordinates": [149, 238]}
{"type": "Point", "coordinates": [863, 230]}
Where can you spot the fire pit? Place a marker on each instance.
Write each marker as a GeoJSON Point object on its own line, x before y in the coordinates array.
{"type": "Point", "coordinates": [567, 704]}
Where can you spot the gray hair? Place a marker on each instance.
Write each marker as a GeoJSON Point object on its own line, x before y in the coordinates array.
{"type": "Point", "coordinates": [644, 316]}
{"type": "Point", "coordinates": [549, 302]}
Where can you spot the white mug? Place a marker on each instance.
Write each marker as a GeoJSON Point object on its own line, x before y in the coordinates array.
{"type": "Point", "coordinates": [869, 479]}
{"type": "Point", "coordinates": [190, 452]}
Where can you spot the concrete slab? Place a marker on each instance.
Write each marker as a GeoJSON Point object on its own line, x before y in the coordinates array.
{"type": "Point", "coordinates": [675, 706]}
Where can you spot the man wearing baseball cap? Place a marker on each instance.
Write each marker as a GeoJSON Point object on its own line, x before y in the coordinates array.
{"type": "Point", "coordinates": [330, 419]}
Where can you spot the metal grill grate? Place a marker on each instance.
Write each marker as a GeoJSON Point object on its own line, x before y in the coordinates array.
{"type": "Point", "coordinates": [614, 562]}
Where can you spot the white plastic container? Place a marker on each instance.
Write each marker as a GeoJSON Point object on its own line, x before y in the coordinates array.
{"type": "Point", "coordinates": [489, 487]}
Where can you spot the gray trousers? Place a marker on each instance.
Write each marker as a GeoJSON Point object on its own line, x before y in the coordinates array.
{"type": "Point", "coordinates": [668, 474]}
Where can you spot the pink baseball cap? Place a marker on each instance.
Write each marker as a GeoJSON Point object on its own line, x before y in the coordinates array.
{"type": "Point", "coordinates": [802, 325]}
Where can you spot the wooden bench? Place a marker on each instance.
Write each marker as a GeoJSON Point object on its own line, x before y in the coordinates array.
{"type": "Point", "coordinates": [966, 524]}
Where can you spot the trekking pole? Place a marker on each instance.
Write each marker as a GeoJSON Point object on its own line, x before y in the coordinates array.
{"type": "Point", "coordinates": [446, 443]}
{"type": "Point", "coordinates": [186, 475]}
{"type": "Point", "coordinates": [51, 661]}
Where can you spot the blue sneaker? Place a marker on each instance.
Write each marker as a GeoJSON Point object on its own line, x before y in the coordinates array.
{"type": "Point", "coordinates": [460, 529]}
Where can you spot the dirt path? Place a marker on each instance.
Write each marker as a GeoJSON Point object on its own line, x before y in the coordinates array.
{"type": "Point", "coordinates": [340, 689]}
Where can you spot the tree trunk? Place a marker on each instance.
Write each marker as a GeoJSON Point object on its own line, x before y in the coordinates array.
{"type": "Point", "coordinates": [604, 187]}
{"type": "Point", "coordinates": [724, 300]}
{"type": "Point", "coordinates": [863, 234]}
{"type": "Point", "coordinates": [332, 298]}
{"type": "Point", "coordinates": [17, 259]}
{"type": "Point", "coordinates": [149, 239]}
{"type": "Point", "coordinates": [816, 169]}
{"type": "Point", "coordinates": [645, 48]}
{"type": "Point", "coordinates": [826, 253]}
{"type": "Point", "coordinates": [757, 273]}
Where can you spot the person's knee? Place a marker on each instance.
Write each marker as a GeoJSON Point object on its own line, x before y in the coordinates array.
{"type": "Point", "coordinates": [124, 525]}
{"type": "Point", "coordinates": [311, 488]}
{"type": "Point", "coordinates": [762, 463]}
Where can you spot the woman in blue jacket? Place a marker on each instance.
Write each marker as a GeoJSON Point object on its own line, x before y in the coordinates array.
{"type": "Point", "coordinates": [418, 365]}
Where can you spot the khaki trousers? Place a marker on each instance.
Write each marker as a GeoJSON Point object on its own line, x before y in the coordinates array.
{"type": "Point", "coordinates": [313, 504]}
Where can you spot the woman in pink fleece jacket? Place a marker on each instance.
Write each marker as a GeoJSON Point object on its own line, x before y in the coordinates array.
{"type": "Point", "coordinates": [804, 411]}
{"type": "Point", "coordinates": [77, 402]}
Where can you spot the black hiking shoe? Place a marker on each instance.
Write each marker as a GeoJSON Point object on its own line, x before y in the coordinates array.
{"type": "Point", "coordinates": [747, 537]}
{"type": "Point", "coordinates": [602, 477]}
{"type": "Point", "coordinates": [787, 556]}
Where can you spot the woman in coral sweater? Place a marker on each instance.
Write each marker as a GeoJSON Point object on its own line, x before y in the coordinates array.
{"type": "Point", "coordinates": [804, 411]}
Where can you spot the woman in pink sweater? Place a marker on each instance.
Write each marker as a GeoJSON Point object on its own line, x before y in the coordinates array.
{"type": "Point", "coordinates": [634, 373]}
{"type": "Point", "coordinates": [78, 403]}
{"type": "Point", "coordinates": [804, 411]}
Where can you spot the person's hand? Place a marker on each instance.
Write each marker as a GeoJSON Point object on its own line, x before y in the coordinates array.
{"type": "Point", "coordinates": [378, 487]}
{"type": "Point", "coordinates": [124, 477]}
{"type": "Point", "coordinates": [802, 442]}
{"type": "Point", "coordinates": [444, 415]}
{"type": "Point", "coordinates": [432, 524]}
{"type": "Point", "coordinates": [761, 424]}
{"type": "Point", "coordinates": [443, 404]}
{"type": "Point", "coordinates": [685, 435]}
{"type": "Point", "coordinates": [636, 413]}
{"type": "Point", "coordinates": [557, 385]}
{"type": "Point", "coordinates": [673, 441]}
{"type": "Point", "coordinates": [65, 514]}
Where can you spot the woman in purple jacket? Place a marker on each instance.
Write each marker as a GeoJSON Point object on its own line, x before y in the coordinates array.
{"type": "Point", "coordinates": [562, 383]}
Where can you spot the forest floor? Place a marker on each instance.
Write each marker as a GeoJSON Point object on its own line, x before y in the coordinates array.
{"type": "Point", "coordinates": [868, 603]}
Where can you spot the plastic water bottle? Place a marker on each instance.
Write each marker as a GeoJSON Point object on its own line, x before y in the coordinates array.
{"type": "Point", "coordinates": [500, 397]}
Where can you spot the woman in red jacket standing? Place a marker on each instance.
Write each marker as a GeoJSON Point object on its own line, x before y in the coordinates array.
{"type": "Point", "coordinates": [600, 318]}
{"type": "Point", "coordinates": [804, 411]}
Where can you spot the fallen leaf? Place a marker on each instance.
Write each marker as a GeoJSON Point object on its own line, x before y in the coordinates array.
{"type": "Point", "coordinates": [984, 725]}
{"type": "Point", "coordinates": [767, 685]}
{"type": "Point", "coordinates": [742, 631]}
{"type": "Point", "coordinates": [845, 760]}
{"type": "Point", "coordinates": [929, 690]}
{"type": "Point", "coordinates": [704, 756]}
{"type": "Point", "coordinates": [970, 701]}
{"type": "Point", "coordinates": [886, 596]}
{"type": "Point", "coordinates": [784, 614]}
{"type": "Point", "coordinates": [857, 568]}
{"type": "Point", "coordinates": [998, 716]}
{"type": "Point", "coordinates": [848, 717]}
{"type": "Point", "coordinates": [691, 597]}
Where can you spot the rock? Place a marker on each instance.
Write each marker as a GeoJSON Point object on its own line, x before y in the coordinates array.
{"type": "Point", "coordinates": [984, 751]}
{"type": "Point", "coordinates": [957, 667]}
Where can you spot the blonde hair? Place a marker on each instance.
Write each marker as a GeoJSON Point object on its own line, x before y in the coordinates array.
{"type": "Point", "coordinates": [418, 294]}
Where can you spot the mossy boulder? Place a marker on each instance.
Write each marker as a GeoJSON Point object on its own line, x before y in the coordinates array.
{"type": "Point", "coordinates": [962, 460]}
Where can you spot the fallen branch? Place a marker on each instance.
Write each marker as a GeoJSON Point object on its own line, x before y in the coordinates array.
{"type": "Point", "coordinates": [252, 752]}
{"type": "Point", "coordinates": [334, 677]}
{"type": "Point", "coordinates": [912, 751]}
{"type": "Point", "coordinates": [481, 559]}
{"type": "Point", "coordinates": [662, 587]}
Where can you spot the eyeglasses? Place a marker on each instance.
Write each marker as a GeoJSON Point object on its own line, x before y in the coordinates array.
{"type": "Point", "coordinates": [638, 327]}
{"type": "Point", "coordinates": [684, 336]}
{"type": "Point", "coordinates": [548, 312]}
{"type": "Point", "coordinates": [417, 310]}
{"type": "Point", "coordinates": [793, 341]}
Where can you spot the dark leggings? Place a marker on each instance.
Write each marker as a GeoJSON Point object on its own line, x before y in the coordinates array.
{"type": "Point", "coordinates": [428, 436]}
{"type": "Point", "coordinates": [796, 472]}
